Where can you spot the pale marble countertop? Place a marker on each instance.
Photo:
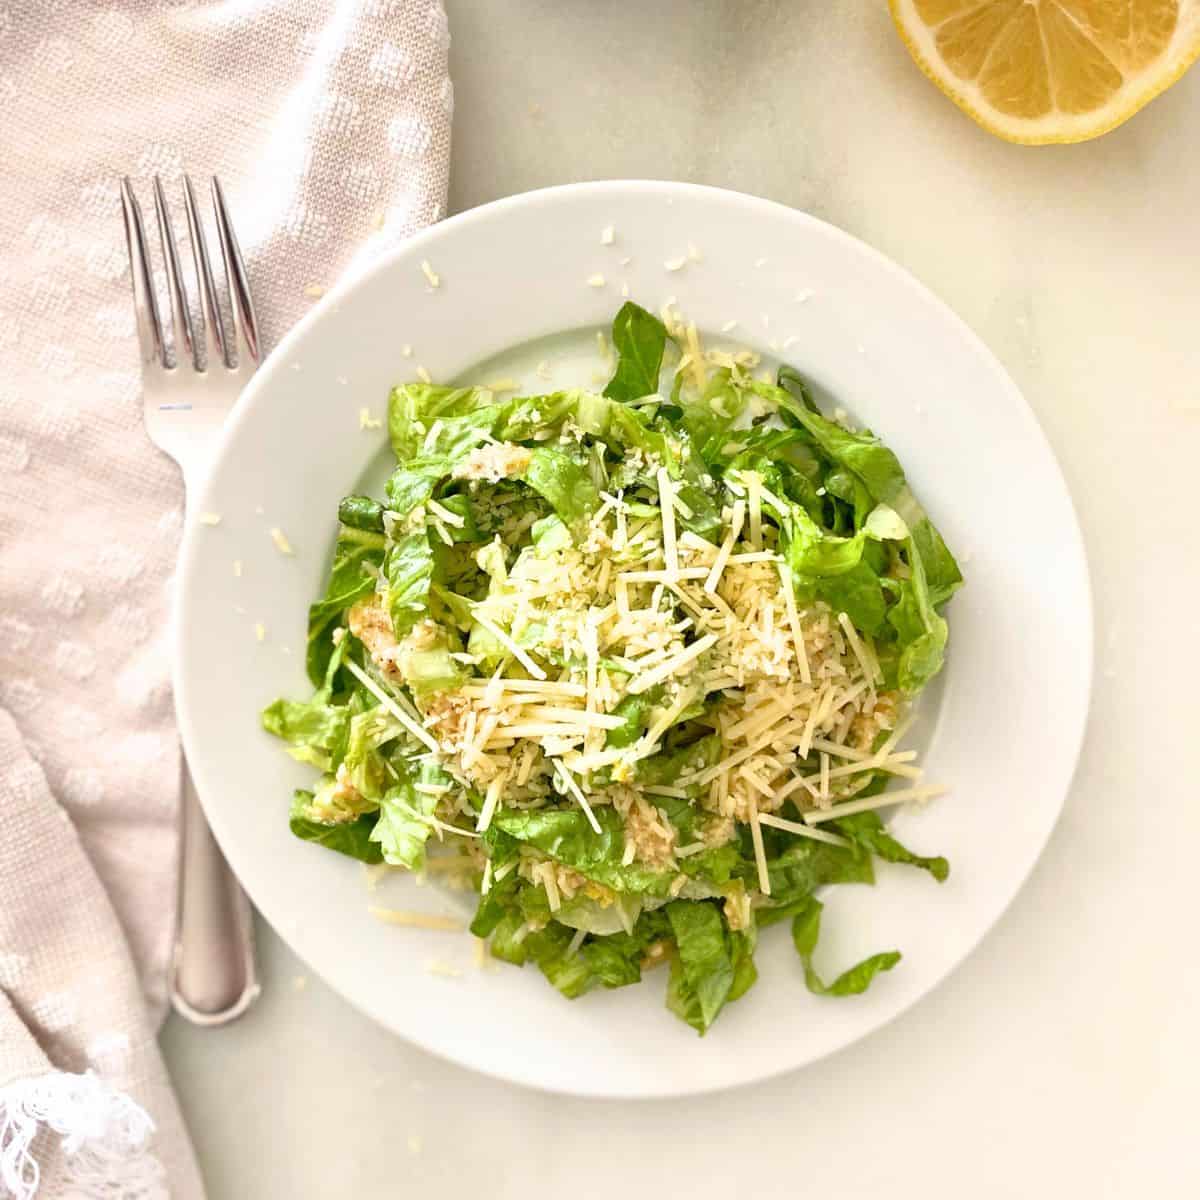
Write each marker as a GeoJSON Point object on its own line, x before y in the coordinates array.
{"type": "Point", "coordinates": [1061, 1059]}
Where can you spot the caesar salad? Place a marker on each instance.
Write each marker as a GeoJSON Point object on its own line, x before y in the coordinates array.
{"type": "Point", "coordinates": [635, 665]}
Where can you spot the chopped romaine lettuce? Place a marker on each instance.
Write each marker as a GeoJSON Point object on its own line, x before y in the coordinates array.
{"type": "Point", "coordinates": [408, 569]}
{"type": "Point", "coordinates": [806, 929]}
{"type": "Point", "coordinates": [352, 838]}
{"type": "Point", "coordinates": [564, 484]}
{"type": "Point", "coordinates": [639, 340]}
{"type": "Point", "coordinates": [404, 825]}
{"type": "Point", "coordinates": [520, 676]}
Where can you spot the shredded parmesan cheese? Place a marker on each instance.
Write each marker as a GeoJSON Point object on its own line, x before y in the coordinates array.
{"type": "Point", "coordinates": [549, 686]}
{"type": "Point", "coordinates": [511, 646]}
{"type": "Point", "coordinates": [760, 857]}
{"type": "Point", "coordinates": [868, 669]}
{"type": "Point", "coordinates": [735, 530]}
{"type": "Point", "coordinates": [869, 803]}
{"type": "Point", "coordinates": [754, 504]}
{"type": "Point", "coordinates": [800, 830]}
{"type": "Point", "coordinates": [673, 665]}
{"type": "Point", "coordinates": [490, 801]}
{"type": "Point", "coordinates": [417, 920]}
{"type": "Point", "coordinates": [440, 510]}
{"type": "Point", "coordinates": [390, 705]}
{"type": "Point", "coordinates": [575, 791]}
{"type": "Point", "coordinates": [667, 509]}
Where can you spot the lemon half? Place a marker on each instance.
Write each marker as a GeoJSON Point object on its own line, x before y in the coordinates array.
{"type": "Point", "coordinates": [1038, 71]}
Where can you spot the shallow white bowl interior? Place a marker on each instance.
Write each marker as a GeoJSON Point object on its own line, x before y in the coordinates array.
{"type": "Point", "coordinates": [1008, 715]}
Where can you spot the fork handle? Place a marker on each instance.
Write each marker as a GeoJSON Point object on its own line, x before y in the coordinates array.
{"type": "Point", "coordinates": [213, 978]}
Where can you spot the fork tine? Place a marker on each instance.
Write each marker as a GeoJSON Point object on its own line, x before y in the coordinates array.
{"type": "Point", "coordinates": [214, 329]}
{"type": "Point", "coordinates": [150, 335]}
{"type": "Point", "coordinates": [245, 324]}
{"type": "Point", "coordinates": [181, 314]}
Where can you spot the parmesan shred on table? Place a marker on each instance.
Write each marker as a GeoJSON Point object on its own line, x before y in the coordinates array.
{"type": "Point", "coordinates": [637, 665]}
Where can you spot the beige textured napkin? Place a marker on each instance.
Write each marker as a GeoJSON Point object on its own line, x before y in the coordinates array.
{"type": "Point", "coordinates": [329, 124]}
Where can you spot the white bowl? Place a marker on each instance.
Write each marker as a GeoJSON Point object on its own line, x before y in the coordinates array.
{"type": "Point", "coordinates": [1002, 731]}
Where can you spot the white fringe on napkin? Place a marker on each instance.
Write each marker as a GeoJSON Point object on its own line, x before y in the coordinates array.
{"type": "Point", "coordinates": [79, 1067]}
{"type": "Point", "coordinates": [104, 1139]}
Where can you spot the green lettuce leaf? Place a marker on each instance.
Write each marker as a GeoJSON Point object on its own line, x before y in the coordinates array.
{"type": "Point", "coordinates": [414, 482]}
{"type": "Point", "coordinates": [862, 453]}
{"type": "Point", "coordinates": [365, 769]}
{"type": "Point", "coordinates": [639, 338]}
{"type": "Point", "coordinates": [942, 576]}
{"type": "Point", "coordinates": [717, 866]}
{"type": "Point", "coordinates": [549, 949]}
{"type": "Point", "coordinates": [352, 838]}
{"type": "Point", "coordinates": [432, 670]}
{"type": "Point", "coordinates": [665, 768]}
{"type": "Point", "coordinates": [614, 961]}
{"type": "Point", "coordinates": [786, 459]}
{"type": "Point", "coordinates": [634, 712]}
{"type": "Point", "coordinates": [564, 484]}
{"type": "Point", "coordinates": [508, 937]}
{"type": "Point", "coordinates": [867, 830]}
{"type": "Point", "coordinates": [351, 579]}
{"type": "Point", "coordinates": [498, 902]}
{"type": "Point", "coordinates": [525, 417]}
{"type": "Point", "coordinates": [742, 944]}
{"type": "Point", "coordinates": [315, 729]}
{"type": "Point", "coordinates": [923, 630]}
{"type": "Point", "coordinates": [791, 381]}
{"type": "Point", "coordinates": [805, 866]}
{"type": "Point", "coordinates": [548, 535]}
{"type": "Point", "coordinates": [516, 917]}
{"type": "Point", "coordinates": [860, 594]}
{"type": "Point", "coordinates": [408, 570]}
{"type": "Point", "coordinates": [461, 506]}
{"type": "Point", "coordinates": [565, 835]}
{"type": "Point", "coordinates": [806, 930]}
{"type": "Point", "coordinates": [811, 552]}
{"type": "Point", "coordinates": [702, 975]}
{"type": "Point", "coordinates": [620, 427]}
{"type": "Point", "coordinates": [848, 503]}
{"type": "Point", "coordinates": [602, 919]}
{"type": "Point", "coordinates": [709, 417]}
{"type": "Point", "coordinates": [919, 631]}
{"type": "Point", "coordinates": [414, 407]}
{"type": "Point", "coordinates": [682, 1000]}
{"type": "Point", "coordinates": [361, 513]}
{"type": "Point", "coordinates": [404, 825]}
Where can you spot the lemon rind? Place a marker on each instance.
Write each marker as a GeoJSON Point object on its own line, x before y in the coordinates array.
{"type": "Point", "coordinates": [1110, 116]}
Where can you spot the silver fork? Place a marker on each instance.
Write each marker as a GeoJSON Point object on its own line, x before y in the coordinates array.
{"type": "Point", "coordinates": [187, 396]}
